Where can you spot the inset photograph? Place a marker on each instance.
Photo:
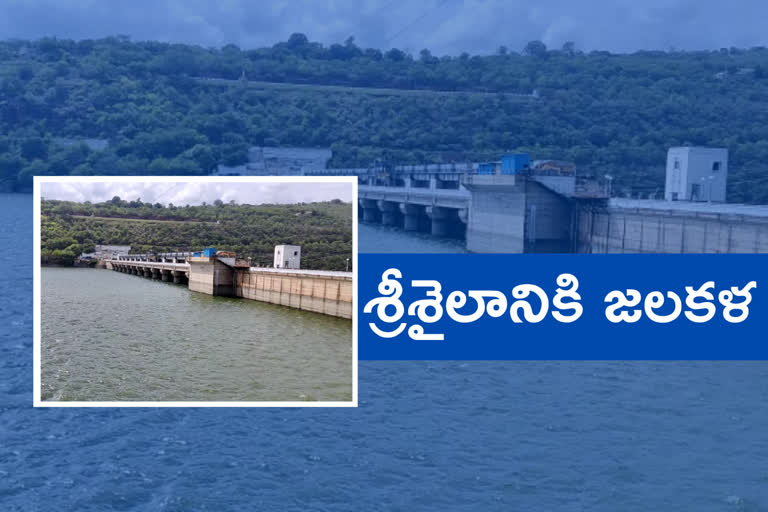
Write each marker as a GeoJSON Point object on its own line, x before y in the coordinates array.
{"type": "Point", "coordinates": [206, 291]}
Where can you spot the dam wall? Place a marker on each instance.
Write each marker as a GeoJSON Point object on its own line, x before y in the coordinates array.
{"type": "Point", "coordinates": [319, 291]}
{"type": "Point", "coordinates": [647, 227]}
{"type": "Point", "coordinates": [514, 214]}
{"type": "Point", "coordinates": [330, 293]}
{"type": "Point", "coordinates": [497, 214]}
{"type": "Point", "coordinates": [211, 276]}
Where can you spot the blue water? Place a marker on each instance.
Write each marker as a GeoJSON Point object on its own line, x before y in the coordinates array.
{"type": "Point", "coordinates": [379, 239]}
{"type": "Point", "coordinates": [544, 436]}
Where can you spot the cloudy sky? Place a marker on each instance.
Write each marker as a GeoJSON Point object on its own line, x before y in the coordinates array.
{"type": "Point", "coordinates": [444, 26]}
{"type": "Point", "coordinates": [196, 193]}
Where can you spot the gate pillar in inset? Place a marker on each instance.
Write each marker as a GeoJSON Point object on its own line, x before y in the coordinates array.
{"type": "Point", "coordinates": [212, 276]}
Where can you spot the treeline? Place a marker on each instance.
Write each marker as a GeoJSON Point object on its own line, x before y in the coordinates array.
{"type": "Point", "coordinates": [152, 104]}
{"type": "Point", "coordinates": [324, 230]}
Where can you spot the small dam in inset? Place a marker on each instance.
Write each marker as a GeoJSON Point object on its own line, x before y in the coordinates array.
{"type": "Point", "coordinates": [221, 273]}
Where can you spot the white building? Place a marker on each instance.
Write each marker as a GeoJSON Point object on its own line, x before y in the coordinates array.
{"type": "Point", "coordinates": [272, 161]}
{"type": "Point", "coordinates": [696, 174]}
{"type": "Point", "coordinates": [106, 251]}
{"type": "Point", "coordinates": [288, 256]}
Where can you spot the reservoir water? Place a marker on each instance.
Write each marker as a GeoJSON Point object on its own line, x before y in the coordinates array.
{"type": "Point", "coordinates": [382, 239]}
{"type": "Point", "coordinates": [112, 336]}
{"type": "Point", "coordinates": [556, 436]}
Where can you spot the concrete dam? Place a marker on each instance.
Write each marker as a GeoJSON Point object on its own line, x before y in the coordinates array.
{"type": "Point", "coordinates": [647, 226]}
{"type": "Point", "coordinates": [325, 292]}
{"type": "Point", "coordinates": [523, 215]}
{"type": "Point", "coordinates": [519, 206]}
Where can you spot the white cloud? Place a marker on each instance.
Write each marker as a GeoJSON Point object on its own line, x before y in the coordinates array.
{"type": "Point", "coordinates": [443, 26]}
{"type": "Point", "coordinates": [196, 193]}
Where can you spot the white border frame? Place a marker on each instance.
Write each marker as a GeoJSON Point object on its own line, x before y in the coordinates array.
{"type": "Point", "coordinates": [352, 180]}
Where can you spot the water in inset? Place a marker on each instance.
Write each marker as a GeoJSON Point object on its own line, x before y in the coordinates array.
{"type": "Point", "coordinates": [109, 336]}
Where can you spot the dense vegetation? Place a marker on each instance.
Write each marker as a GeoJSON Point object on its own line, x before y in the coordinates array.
{"type": "Point", "coordinates": [324, 230]}
{"type": "Point", "coordinates": [155, 105]}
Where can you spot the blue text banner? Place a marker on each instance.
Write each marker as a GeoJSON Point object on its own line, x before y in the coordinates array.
{"type": "Point", "coordinates": [562, 306]}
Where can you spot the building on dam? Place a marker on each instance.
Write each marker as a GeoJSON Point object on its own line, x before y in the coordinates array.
{"type": "Point", "coordinates": [696, 174]}
{"type": "Point", "coordinates": [275, 161]}
{"type": "Point", "coordinates": [287, 256]}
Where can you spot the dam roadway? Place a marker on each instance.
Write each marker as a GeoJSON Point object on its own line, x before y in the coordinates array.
{"type": "Point", "coordinates": [326, 292]}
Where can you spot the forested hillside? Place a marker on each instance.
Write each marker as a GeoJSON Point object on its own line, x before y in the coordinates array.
{"type": "Point", "coordinates": [161, 113]}
{"type": "Point", "coordinates": [324, 230]}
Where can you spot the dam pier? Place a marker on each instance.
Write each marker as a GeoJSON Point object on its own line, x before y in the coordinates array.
{"type": "Point", "coordinates": [222, 274]}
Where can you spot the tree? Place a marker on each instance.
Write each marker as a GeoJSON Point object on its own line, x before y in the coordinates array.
{"type": "Point", "coordinates": [395, 55]}
{"type": "Point", "coordinates": [133, 95]}
{"type": "Point", "coordinates": [34, 168]}
{"type": "Point", "coordinates": [10, 165]}
{"type": "Point", "coordinates": [34, 147]}
{"type": "Point", "coordinates": [203, 155]}
{"type": "Point", "coordinates": [251, 231]}
{"type": "Point", "coordinates": [535, 49]}
{"type": "Point", "coordinates": [296, 41]}
{"type": "Point", "coordinates": [373, 54]}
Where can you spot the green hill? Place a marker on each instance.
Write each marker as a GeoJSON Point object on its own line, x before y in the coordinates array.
{"type": "Point", "coordinates": [324, 230]}
{"type": "Point", "coordinates": [177, 109]}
